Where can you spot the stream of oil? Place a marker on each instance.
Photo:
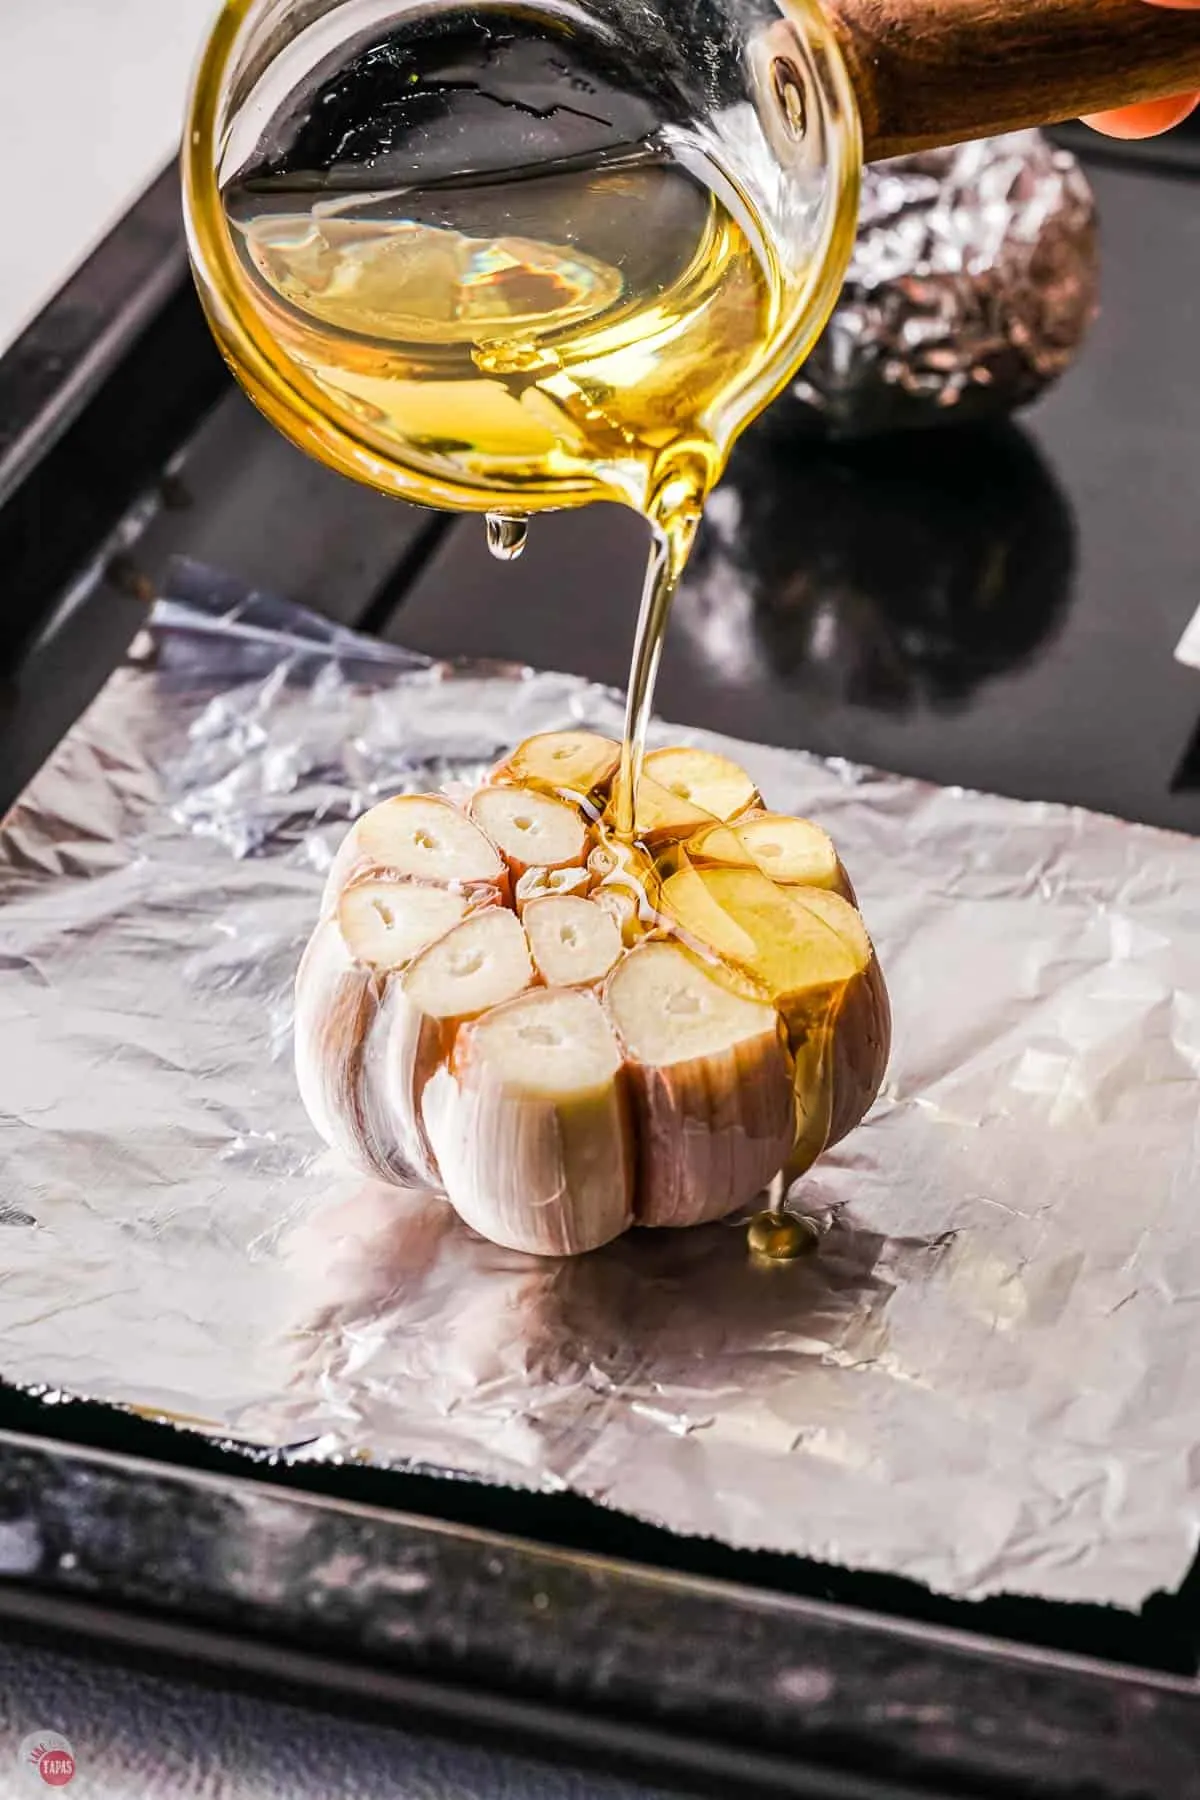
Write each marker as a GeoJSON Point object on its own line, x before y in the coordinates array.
{"type": "Point", "coordinates": [574, 302]}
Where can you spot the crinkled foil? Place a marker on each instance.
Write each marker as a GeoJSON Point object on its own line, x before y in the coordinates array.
{"type": "Point", "coordinates": [971, 287]}
{"type": "Point", "coordinates": [986, 1378]}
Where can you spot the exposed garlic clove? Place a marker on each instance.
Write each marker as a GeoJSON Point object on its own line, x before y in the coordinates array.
{"type": "Point", "coordinates": [792, 851]}
{"type": "Point", "coordinates": [537, 884]}
{"type": "Point", "coordinates": [626, 882]}
{"type": "Point", "coordinates": [529, 1124]}
{"type": "Point", "coordinates": [663, 817]}
{"type": "Point", "coordinates": [573, 762]}
{"type": "Point", "coordinates": [531, 830]}
{"type": "Point", "coordinates": [791, 940]}
{"type": "Point", "coordinates": [712, 1086]}
{"type": "Point", "coordinates": [690, 906]}
{"type": "Point", "coordinates": [809, 952]}
{"type": "Point", "coordinates": [623, 909]}
{"type": "Point", "coordinates": [482, 963]}
{"type": "Point", "coordinates": [574, 942]}
{"type": "Point", "coordinates": [386, 923]}
{"type": "Point", "coordinates": [420, 837]}
{"type": "Point", "coordinates": [683, 790]}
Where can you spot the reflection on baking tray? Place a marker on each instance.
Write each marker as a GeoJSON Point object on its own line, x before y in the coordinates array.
{"type": "Point", "coordinates": [888, 574]}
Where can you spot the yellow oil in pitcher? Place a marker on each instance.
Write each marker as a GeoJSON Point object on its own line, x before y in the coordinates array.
{"type": "Point", "coordinates": [479, 260]}
{"type": "Point", "coordinates": [554, 360]}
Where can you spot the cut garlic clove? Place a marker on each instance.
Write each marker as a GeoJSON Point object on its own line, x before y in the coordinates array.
{"type": "Point", "coordinates": [682, 790]}
{"type": "Point", "coordinates": [573, 762]}
{"type": "Point", "coordinates": [574, 941]}
{"type": "Point", "coordinates": [419, 837]}
{"type": "Point", "coordinates": [531, 830]}
{"type": "Point", "coordinates": [792, 851]}
{"type": "Point", "coordinates": [809, 951]}
{"type": "Point", "coordinates": [622, 865]}
{"type": "Point", "coordinates": [529, 1125]}
{"type": "Point", "coordinates": [482, 963]}
{"type": "Point", "coordinates": [792, 940]}
{"type": "Point", "coordinates": [622, 907]}
{"type": "Point", "coordinates": [626, 882]}
{"type": "Point", "coordinates": [663, 817]}
{"type": "Point", "coordinates": [537, 884]}
{"type": "Point", "coordinates": [386, 923]}
{"type": "Point", "coordinates": [712, 1086]}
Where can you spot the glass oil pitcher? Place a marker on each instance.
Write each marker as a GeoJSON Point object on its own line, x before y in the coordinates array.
{"type": "Point", "coordinates": [502, 257]}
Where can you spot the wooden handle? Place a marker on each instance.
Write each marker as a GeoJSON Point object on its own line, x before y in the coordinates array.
{"type": "Point", "coordinates": [931, 72]}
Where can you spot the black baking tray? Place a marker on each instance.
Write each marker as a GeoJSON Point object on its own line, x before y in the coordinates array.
{"type": "Point", "coordinates": [997, 608]}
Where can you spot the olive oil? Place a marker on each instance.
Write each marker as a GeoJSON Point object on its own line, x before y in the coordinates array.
{"type": "Point", "coordinates": [512, 345]}
{"type": "Point", "coordinates": [782, 1236]}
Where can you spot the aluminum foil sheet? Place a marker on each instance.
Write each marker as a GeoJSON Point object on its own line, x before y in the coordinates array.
{"type": "Point", "coordinates": [971, 287]}
{"type": "Point", "coordinates": [986, 1378]}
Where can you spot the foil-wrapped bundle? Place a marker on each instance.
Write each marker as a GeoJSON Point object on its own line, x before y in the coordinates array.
{"type": "Point", "coordinates": [970, 290]}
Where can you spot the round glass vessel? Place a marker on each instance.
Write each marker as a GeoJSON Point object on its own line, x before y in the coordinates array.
{"type": "Point", "coordinates": [502, 257]}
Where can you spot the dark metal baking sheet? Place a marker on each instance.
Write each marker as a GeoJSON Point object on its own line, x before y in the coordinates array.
{"type": "Point", "coordinates": [488, 1625]}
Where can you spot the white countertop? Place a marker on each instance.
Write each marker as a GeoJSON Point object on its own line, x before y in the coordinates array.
{"type": "Point", "coordinates": [91, 102]}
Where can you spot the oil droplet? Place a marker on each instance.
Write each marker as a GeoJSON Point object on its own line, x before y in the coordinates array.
{"type": "Point", "coordinates": [507, 535]}
{"type": "Point", "coordinates": [781, 1237]}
